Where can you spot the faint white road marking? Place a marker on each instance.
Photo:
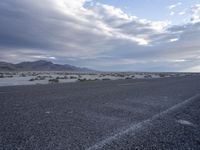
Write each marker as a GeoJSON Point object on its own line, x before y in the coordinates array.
{"type": "Point", "coordinates": [185, 122]}
{"type": "Point", "coordinates": [140, 125]}
{"type": "Point", "coordinates": [8, 92]}
{"type": "Point", "coordinates": [47, 112]}
{"type": "Point", "coordinates": [126, 84]}
{"type": "Point", "coordinates": [129, 84]}
{"type": "Point", "coordinates": [4, 92]}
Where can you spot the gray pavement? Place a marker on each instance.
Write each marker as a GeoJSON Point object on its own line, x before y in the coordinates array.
{"type": "Point", "coordinates": [123, 114]}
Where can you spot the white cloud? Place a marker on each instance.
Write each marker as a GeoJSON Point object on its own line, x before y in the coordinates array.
{"type": "Point", "coordinates": [77, 4]}
{"type": "Point", "coordinates": [53, 58]}
{"type": "Point", "coordinates": [174, 40]}
{"type": "Point", "coordinates": [182, 13]}
{"type": "Point", "coordinates": [172, 13]}
{"type": "Point", "coordinates": [192, 69]}
{"type": "Point", "coordinates": [43, 57]}
{"type": "Point", "coordinates": [196, 13]}
{"type": "Point", "coordinates": [174, 5]}
{"type": "Point", "coordinates": [179, 60]}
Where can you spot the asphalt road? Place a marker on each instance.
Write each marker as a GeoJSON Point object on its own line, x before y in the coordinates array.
{"type": "Point", "coordinates": [125, 114]}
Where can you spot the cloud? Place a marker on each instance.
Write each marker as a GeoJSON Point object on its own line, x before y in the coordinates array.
{"type": "Point", "coordinates": [174, 40]}
{"type": "Point", "coordinates": [182, 13]}
{"type": "Point", "coordinates": [61, 26]}
{"type": "Point", "coordinates": [196, 13]}
{"type": "Point", "coordinates": [96, 35]}
{"type": "Point", "coordinates": [174, 5]}
{"type": "Point", "coordinates": [172, 13]}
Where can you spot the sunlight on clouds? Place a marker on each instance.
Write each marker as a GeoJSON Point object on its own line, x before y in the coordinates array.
{"type": "Point", "coordinates": [174, 5]}
{"type": "Point", "coordinates": [140, 41]}
{"type": "Point", "coordinates": [195, 13]}
{"type": "Point", "coordinates": [160, 26]}
{"type": "Point", "coordinates": [174, 40]}
{"type": "Point", "coordinates": [53, 58]}
{"type": "Point", "coordinates": [112, 11]}
{"type": "Point", "coordinates": [70, 3]}
{"type": "Point", "coordinates": [182, 13]}
{"type": "Point", "coordinates": [172, 13]}
{"type": "Point", "coordinates": [179, 60]}
{"type": "Point", "coordinates": [43, 57]}
{"type": "Point", "coordinates": [192, 69]}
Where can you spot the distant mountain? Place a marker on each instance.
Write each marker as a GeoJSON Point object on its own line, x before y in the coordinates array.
{"type": "Point", "coordinates": [4, 66]}
{"type": "Point", "coordinates": [40, 65]}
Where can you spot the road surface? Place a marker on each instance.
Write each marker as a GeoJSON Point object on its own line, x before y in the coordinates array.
{"type": "Point", "coordinates": [124, 114]}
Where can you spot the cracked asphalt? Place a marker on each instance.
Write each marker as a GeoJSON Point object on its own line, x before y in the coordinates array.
{"type": "Point", "coordinates": [124, 114]}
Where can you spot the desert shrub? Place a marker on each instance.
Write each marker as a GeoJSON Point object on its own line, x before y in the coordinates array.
{"type": "Point", "coordinates": [128, 78]}
{"type": "Point", "coordinates": [22, 75]}
{"type": "Point", "coordinates": [73, 77]}
{"type": "Point", "coordinates": [9, 76]}
{"type": "Point", "coordinates": [82, 80]}
{"type": "Point", "coordinates": [53, 80]}
{"type": "Point", "coordinates": [64, 77]}
{"type": "Point", "coordinates": [121, 75]}
{"type": "Point", "coordinates": [40, 78]}
{"type": "Point", "coordinates": [162, 75]}
{"type": "Point", "coordinates": [32, 79]}
{"type": "Point", "coordinates": [102, 75]}
{"type": "Point", "coordinates": [34, 74]}
{"type": "Point", "coordinates": [1, 75]}
{"type": "Point", "coordinates": [147, 76]}
{"type": "Point", "coordinates": [106, 79]}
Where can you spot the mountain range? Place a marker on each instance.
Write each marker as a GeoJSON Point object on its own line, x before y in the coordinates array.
{"type": "Point", "coordinates": [40, 65]}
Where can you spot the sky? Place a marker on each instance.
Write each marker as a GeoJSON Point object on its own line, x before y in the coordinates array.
{"type": "Point", "coordinates": [107, 35]}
